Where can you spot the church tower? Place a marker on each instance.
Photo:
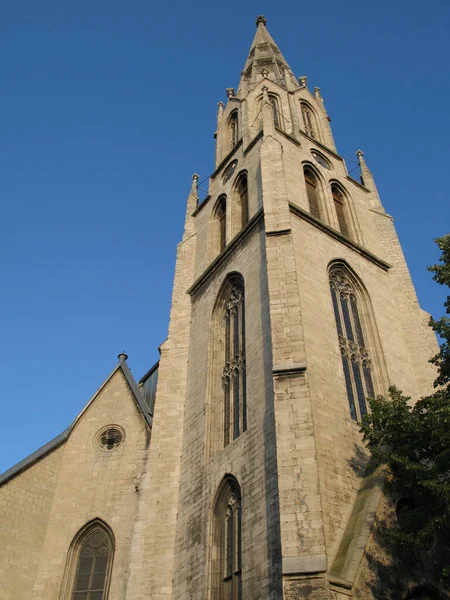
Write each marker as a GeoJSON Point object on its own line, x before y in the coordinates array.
{"type": "Point", "coordinates": [235, 469]}
{"type": "Point", "coordinates": [292, 304]}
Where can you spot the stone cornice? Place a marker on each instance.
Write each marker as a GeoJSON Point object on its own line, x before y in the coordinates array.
{"type": "Point", "coordinates": [228, 250]}
{"type": "Point", "coordinates": [224, 161]}
{"type": "Point", "coordinates": [289, 370]}
{"type": "Point", "coordinates": [306, 216]}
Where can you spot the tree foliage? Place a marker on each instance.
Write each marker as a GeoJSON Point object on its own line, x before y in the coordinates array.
{"type": "Point", "coordinates": [414, 441]}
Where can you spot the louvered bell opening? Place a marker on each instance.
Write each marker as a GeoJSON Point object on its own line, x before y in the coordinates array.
{"type": "Point", "coordinates": [312, 193]}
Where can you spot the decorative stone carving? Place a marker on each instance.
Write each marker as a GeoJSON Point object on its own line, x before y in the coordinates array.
{"type": "Point", "coordinates": [109, 438]}
{"type": "Point", "coordinates": [95, 545]}
{"type": "Point", "coordinates": [230, 92]}
{"type": "Point", "coordinates": [303, 81]}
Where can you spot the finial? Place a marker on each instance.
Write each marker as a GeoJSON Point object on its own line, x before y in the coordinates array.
{"type": "Point", "coordinates": [230, 92]}
{"type": "Point", "coordinates": [122, 357]}
{"type": "Point", "coordinates": [303, 81]}
{"type": "Point", "coordinates": [359, 154]}
{"type": "Point", "coordinates": [317, 92]}
{"type": "Point", "coordinates": [194, 185]}
{"type": "Point", "coordinates": [261, 19]}
{"type": "Point", "coordinates": [265, 72]}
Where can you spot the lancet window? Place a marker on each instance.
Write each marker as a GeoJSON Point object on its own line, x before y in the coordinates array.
{"type": "Point", "coordinates": [275, 111]}
{"type": "Point", "coordinates": [309, 121]}
{"type": "Point", "coordinates": [339, 201]}
{"type": "Point", "coordinates": [91, 564]}
{"type": "Point", "coordinates": [233, 372]}
{"type": "Point", "coordinates": [234, 128]}
{"type": "Point", "coordinates": [221, 224]}
{"type": "Point", "coordinates": [356, 360]}
{"type": "Point", "coordinates": [312, 192]}
{"type": "Point", "coordinates": [227, 537]}
{"type": "Point", "coordinates": [242, 192]}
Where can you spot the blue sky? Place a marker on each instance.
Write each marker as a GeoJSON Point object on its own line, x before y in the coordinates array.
{"type": "Point", "coordinates": [107, 110]}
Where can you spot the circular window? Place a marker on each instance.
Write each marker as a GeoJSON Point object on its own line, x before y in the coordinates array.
{"type": "Point", "coordinates": [109, 438]}
{"type": "Point", "coordinates": [320, 159]}
{"type": "Point", "coordinates": [229, 171]}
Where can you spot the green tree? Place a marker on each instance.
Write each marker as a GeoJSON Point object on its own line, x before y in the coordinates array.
{"type": "Point", "coordinates": [414, 442]}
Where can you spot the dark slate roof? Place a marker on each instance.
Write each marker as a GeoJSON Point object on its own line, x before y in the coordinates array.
{"type": "Point", "coordinates": [62, 437]}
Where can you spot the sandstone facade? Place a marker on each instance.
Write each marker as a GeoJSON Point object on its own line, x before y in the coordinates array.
{"type": "Point", "coordinates": [307, 509]}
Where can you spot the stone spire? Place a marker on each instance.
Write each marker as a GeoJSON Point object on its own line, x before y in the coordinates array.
{"type": "Point", "coordinates": [265, 60]}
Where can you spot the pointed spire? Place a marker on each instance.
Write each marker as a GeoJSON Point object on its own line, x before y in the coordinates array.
{"type": "Point", "coordinates": [192, 204]}
{"type": "Point", "coordinates": [367, 178]}
{"type": "Point", "coordinates": [366, 175]}
{"type": "Point", "coordinates": [265, 60]}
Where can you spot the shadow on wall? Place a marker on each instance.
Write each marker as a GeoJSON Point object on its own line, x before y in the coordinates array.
{"type": "Point", "coordinates": [387, 570]}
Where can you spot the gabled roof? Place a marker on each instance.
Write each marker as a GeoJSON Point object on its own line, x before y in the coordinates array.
{"type": "Point", "coordinates": [62, 437]}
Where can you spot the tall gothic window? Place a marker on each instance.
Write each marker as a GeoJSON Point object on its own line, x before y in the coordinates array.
{"type": "Point", "coordinates": [234, 128]}
{"type": "Point", "coordinates": [312, 191]}
{"type": "Point", "coordinates": [242, 192]}
{"type": "Point", "coordinates": [233, 372]}
{"type": "Point", "coordinates": [227, 542]}
{"type": "Point", "coordinates": [309, 121]}
{"type": "Point", "coordinates": [275, 111]}
{"type": "Point", "coordinates": [90, 563]}
{"type": "Point", "coordinates": [339, 201]}
{"type": "Point", "coordinates": [355, 355]}
{"type": "Point", "coordinates": [220, 225]}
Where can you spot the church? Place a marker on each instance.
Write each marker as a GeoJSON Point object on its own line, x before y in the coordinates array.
{"type": "Point", "coordinates": [235, 469]}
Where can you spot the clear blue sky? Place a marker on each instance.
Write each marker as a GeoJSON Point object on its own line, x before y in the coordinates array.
{"type": "Point", "coordinates": [107, 109]}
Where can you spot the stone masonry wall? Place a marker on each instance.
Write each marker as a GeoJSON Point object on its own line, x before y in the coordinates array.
{"type": "Point", "coordinates": [94, 483]}
{"type": "Point", "coordinates": [25, 505]}
{"type": "Point", "coordinates": [250, 458]}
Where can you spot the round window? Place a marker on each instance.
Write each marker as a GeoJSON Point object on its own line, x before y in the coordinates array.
{"type": "Point", "coordinates": [229, 171]}
{"type": "Point", "coordinates": [320, 159]}
{"type": "Point", "coordinates": [109, 438]}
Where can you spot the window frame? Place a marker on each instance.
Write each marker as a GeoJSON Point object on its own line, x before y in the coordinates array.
{"type": "Point", "coordinates": [371, 352]}
{"type": "Point", "coordinates": [227, 407]}
{"type": "Point", "coordinates": [311, 128]}
{"type": "Point", "coordinates": [240, 205]}
{"type": "Point", "coordinates": [226, 558]}
{"type": "Point", "coordinates": [74, 554]}
{"type": "Point", "coordinates": [318, 192]}
{"type": "Point", "coordinates": [233, 127]}
{"type": "Point", "coordinates": [218, 227]}
{"type": "Point", "coordinates": [342, 210]}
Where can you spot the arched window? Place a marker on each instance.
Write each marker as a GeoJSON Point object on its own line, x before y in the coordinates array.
{"type": "Point", "coordinates": [356, 361]}
{"type": "Point", "coordinates": [220, 225]}
{"type": "Point", "coordinates": [233, 372]}
{"type": "Point", "coordinates": [227, 372]}
{"type": "Point", "coordinates": [234, 128]}
{"type": "Point", "coordinates": [309, 121]}
{"type": "Point", "coordinates": [312, 191]}
{"type": "Point", "coordinates": [275, 111]}
{"type": "Point", "coordinates": [227, 542]}
{"type": "Point", "coordinates": [242, 193]}
{"type": "Point", "coordinates": [339, 201]}
{"type": "Point", "coordinates": [90, 563]}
